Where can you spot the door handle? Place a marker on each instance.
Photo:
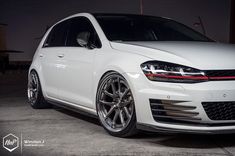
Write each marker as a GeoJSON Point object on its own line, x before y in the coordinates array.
{"type": "Point", "coordinates": [40, 55]}
{"type": "Point", "coordinates": [61, 55]}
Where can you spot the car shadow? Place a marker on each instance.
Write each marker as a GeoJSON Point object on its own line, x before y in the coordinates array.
{"type": "Point", "coordinates": [80, 115]}
{"type": "Point", "coordinates": [197, 141]}
{"type": "Point", "coordinates": [178, 140]}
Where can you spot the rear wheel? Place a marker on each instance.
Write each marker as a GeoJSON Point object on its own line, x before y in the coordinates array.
{"type": "Point", "coordinates": [35, 96]}
{"type": "Point", "coordinates": [115, 105]}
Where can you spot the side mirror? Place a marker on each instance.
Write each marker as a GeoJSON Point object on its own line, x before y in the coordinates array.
{"type": "Point", "coordinates": [83, 38]}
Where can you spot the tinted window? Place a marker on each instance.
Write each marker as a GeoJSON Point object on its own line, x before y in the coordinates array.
{"type": "Point", "coordinates": [79, 25]}
{"type": "Point", "coordinates": [146, 28]}
{"type": "Point", "coordinates": [58, 35]}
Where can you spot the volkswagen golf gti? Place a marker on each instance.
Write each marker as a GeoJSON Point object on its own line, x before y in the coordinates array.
{"type": "Point", "coordinates": [136, 72]}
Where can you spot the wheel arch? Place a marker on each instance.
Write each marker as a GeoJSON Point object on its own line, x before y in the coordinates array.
{"type": "Point", "coordinates": [37, 68]}
{"type": "Point", "coordinates": [110, 70]}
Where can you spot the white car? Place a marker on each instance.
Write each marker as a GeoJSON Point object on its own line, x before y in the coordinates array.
{"type": "Point", "coordinates": [136, 72]}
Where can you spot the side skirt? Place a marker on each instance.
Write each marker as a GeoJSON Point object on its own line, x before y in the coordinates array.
{"type": "Point", "coordinates": [73, 107]}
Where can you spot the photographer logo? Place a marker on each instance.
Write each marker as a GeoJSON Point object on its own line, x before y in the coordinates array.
{"type": "Point", "coordinates": [10, 142]}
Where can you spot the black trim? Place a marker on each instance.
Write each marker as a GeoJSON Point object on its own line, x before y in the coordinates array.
{"type": "Point", "coordinates": [151, 128]}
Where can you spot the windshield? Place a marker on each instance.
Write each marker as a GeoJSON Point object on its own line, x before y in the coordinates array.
{"type": "Point", "coordinates": [146, 28]}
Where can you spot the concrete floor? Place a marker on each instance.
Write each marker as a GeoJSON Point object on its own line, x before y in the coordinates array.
{"type": "Point", "coordinates": [68, 133]}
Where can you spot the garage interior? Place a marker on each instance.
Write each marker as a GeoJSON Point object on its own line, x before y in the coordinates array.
{"type": "Point", "coordinates": [22, 25]}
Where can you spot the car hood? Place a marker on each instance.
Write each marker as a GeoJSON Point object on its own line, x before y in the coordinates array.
{"type": "Point", "coordinates": [201, 55]}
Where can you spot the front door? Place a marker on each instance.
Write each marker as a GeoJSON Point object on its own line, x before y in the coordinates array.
{"type": "Point", "coordinates": [50, 57]}
{"type": "Point", "coordinates": [76, 72]}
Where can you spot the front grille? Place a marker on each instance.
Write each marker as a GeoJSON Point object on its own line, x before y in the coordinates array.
{"type": "Point", "coordinates": [219, 73]}
{"type": "Point", "coordinates": [220, 110]}
{"type": "Point", "coordinates": [172, 111]}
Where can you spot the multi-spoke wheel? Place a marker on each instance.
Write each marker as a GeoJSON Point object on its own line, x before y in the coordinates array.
{"type": "Point", "coordinates": [115, 105]}
{"type": "Point", "coordinates": [35, 96]}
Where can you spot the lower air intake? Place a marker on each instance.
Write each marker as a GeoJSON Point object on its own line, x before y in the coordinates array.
{"type": "Point", "coordinates": [172, 111]}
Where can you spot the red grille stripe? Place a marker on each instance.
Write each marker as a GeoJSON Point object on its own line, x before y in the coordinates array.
{"type": "Point", "coordinates": [178, 77]}
{"type": "Point", "coordinates": [192, 77]}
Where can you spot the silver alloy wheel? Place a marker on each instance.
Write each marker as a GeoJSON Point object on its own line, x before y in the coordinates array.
{"type": "Point", "coordinates": [33, 88]}
{"type": "Point", "coordinates": [115, 103]}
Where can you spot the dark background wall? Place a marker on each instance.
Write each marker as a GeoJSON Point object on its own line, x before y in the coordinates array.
{"type": "Point", "coordinates": [28, 19]}
{"type": "Point", "coordinates": [232, 22]}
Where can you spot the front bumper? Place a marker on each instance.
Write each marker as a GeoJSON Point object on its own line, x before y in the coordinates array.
{"type": "Point", "coordinates": [191, 94]}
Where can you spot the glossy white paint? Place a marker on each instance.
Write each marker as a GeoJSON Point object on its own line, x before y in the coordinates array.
{"type": "Point", "coordinates": [73, 79]}
{"type": "Point", "coordinates": [201, 55]}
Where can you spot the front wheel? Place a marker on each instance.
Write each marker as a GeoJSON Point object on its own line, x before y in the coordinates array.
{"type": "Point", "coordinates": [115, 106]}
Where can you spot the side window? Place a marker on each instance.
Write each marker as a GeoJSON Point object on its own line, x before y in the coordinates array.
{"type": "Point", "coordinates": [79, 25]}
{"type": "Point", "coordinates": [57, 36]}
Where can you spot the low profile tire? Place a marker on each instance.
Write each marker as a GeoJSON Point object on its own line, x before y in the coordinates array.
{"type": "Point", "coordinates": [35, 96]}
{"type": "Point", "coordinates": [115, 106]}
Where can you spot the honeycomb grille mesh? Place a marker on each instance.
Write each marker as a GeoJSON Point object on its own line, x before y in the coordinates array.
{"type": "Point", "coordinates": [220, 110]}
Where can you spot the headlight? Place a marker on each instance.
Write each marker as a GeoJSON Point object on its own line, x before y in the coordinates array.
{"type": "Point", "coordinates": [170, 72]}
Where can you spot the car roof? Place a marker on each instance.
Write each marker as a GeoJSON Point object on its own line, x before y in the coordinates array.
{"type": "Point", "coordinates": [124, 14]}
